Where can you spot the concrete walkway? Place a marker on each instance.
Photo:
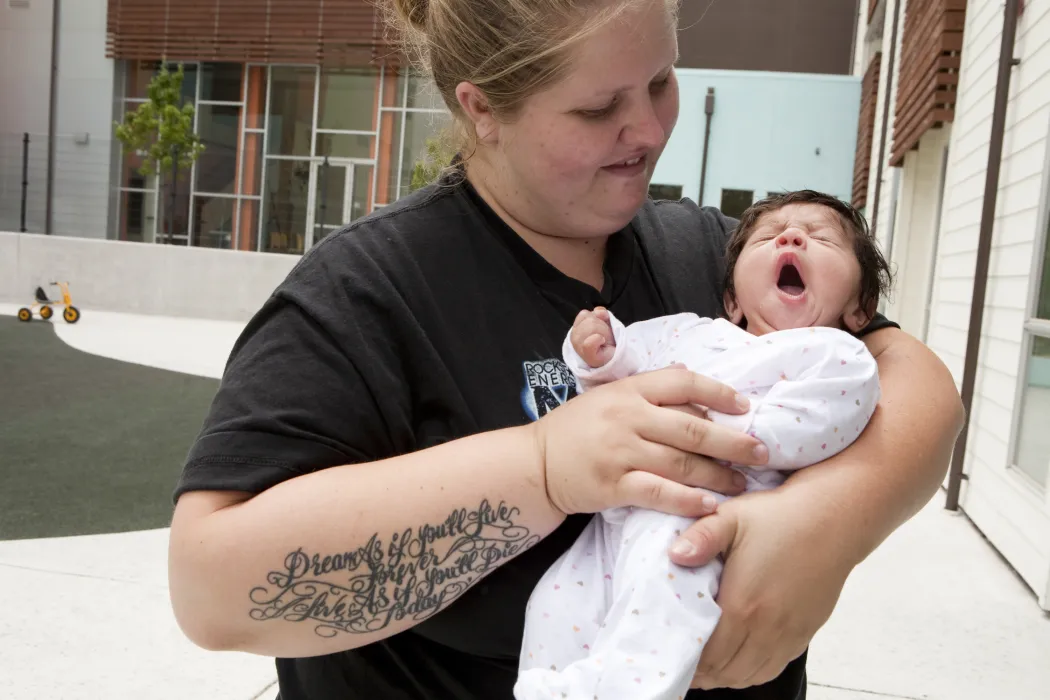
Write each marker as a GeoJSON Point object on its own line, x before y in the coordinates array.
{"type": "Point", "coordinates": [933, 614]}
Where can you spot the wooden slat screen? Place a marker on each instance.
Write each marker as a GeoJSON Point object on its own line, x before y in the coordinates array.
{"type": "Point", "coordinates": [928, 81]}
{"type": "Point", "coordinates": [341, 33]}
{"type": "Point", "coordinates": [866, 131]}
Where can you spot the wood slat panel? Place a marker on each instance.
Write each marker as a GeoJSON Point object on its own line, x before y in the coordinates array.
{"type": "Point", "coordinates": [338, 33]}
{"type": "Point", "coordinates": [928, 81]}
{"type": "Point", "coordinates": [866, 131]}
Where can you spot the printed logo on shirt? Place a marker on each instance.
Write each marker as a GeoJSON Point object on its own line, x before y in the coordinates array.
{"type": "Point", "coordinates": [548, 384]}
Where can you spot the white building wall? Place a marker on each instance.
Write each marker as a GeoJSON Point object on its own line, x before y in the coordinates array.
{"type": "Point", "coordinates": [83, 133]}
{"type": "Point", "coordinates": [85, 108]}
{"type": "Point", "coordinates": [1013, 516]}
{"type": "Point", "coordinates": [914, 243]}
{"type": "Point", "coordinates": [25, 77]}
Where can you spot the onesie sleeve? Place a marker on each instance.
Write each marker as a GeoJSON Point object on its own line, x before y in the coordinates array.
{"type": "Point", "coordinates": [812, 391]}
{"type": "Point", "coordinates": [640, 347]}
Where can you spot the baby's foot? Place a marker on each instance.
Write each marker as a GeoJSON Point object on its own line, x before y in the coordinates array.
{"type": "Point", "coordinates": [592, 337]}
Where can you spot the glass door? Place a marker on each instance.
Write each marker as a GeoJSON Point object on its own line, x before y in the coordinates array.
{"type": "Point", "coordinates": [340, 191]}
{"type": "Point", "coordinates": [332, 183]}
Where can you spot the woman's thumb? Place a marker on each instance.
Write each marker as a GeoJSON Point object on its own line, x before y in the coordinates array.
{"type": "Point", "coordinates": [705, 540]}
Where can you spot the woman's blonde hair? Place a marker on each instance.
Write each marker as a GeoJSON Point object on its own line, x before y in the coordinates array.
{"type": "Point", "coordinates": [509, 49]}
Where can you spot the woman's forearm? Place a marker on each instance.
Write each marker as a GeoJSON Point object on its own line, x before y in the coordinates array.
{"type": "Point", "coordinates": [900, 459]}
{"type": "Point", "coordinates": [350, 555]}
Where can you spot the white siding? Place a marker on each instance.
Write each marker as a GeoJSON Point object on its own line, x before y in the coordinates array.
{"type": "Point", "coordinates": [1015, 518]}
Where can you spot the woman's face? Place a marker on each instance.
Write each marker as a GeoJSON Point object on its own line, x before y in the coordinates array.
{"type": "Point", "coordinates": [578, 161]}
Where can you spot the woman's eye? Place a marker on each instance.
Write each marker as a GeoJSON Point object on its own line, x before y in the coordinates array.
{"type": "Point", "coordinates": [598, 113]}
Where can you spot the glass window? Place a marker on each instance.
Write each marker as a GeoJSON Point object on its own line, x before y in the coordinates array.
{"type": "Point", "coordinates": [248, 224]}
{"type": "Point", "coordinates": [256, 102]}
{"type": "Point", "coordinates": [285, 205]}
{"type": "Point", "coordinates": [181, 218]}
{"type": "Point", "coordinates": [331, 195]}
{"type": "Point", "coordinates": [221, 82]}
{"type": "Point", "coordinates": [251, 162]}
{"type": "Point", "coordinates": [137, 216]}
{"type": "Point", "coordinates": [137, 77]}
{"type": "Point", "coordinates": [218, 126]}
{"type": "Point", "coordinates": [419, 126]}
{"type": "Point", "coordinates": [213, 221]}
{"type": "Point", "coordinates": [671, 192]}
{"type": "Point", "coordinates": [140, 73]}
{"type": "Point", "coordinates": [422, 93]}
{"type": "Point", "coordinates": [344, 146]}
{"type": "Point", "coordinates": [387, 160]}
{"type": "Point", "coordinates": [1033, 439]}
{"type": "Point", "coordinates": [361, 197]}
{"type": "Point", "coordinates": [291, 110]}
{"type": "Point", "coordinates": [347, 100]}
{"type": "Point", "coordinates": [736, 202]}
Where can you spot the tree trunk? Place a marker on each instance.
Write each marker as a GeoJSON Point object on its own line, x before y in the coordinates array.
{"type": "Point", "coordinates": [174, 184]}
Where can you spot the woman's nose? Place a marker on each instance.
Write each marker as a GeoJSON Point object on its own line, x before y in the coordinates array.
{"type": "Point", "coordinates": [792, 237]}
{"type": "Point", "coordinates": [645, 129]}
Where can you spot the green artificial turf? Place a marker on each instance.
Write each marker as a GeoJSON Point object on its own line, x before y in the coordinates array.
{"type": "Point", "coordinates": [88, 445]}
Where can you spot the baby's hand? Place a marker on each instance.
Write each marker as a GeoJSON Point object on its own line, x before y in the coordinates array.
{"type": "Point", "coordinates": [592, 337]}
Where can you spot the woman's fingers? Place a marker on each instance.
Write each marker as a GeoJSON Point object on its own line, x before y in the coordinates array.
{"type": "Point", "coordinates": [688, 468]}
{"type": "Point", "coordinates": [644, 489]}
{"type": "Point", "coordinates": [674, 386]}
{"type": "Point", "coordinates": [690, 433]}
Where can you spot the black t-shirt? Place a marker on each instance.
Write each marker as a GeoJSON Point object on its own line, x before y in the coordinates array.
{"type": "Point", "coordinates": [422, 323]}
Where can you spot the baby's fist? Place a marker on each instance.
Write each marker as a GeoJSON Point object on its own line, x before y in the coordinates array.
{"type": "Point", "coordinates": [592, 337]}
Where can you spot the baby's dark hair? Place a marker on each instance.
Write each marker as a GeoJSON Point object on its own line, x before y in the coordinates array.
{"type": "Point", "coordinates": [875, 276]}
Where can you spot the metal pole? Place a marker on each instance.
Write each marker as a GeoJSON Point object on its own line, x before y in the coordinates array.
{"type": "Point", "coordinates": [171, 208]}
{"type": "Point", "coordinates": [709, 110]}
{"type": "Point", "coordinates": [25, 178]}
{"type": "Point", "coordinates": [324, 200]}
{"type": "Point", "coordinates": [51, 119]}
{"type": "Point", "coordinates": [984, 246]}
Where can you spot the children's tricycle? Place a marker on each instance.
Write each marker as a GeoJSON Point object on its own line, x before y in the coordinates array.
{"type": "Point", "coordinates": [71, 314]}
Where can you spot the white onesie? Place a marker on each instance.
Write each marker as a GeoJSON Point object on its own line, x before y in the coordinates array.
{"type": "Point", "coordinates": [614, 617]}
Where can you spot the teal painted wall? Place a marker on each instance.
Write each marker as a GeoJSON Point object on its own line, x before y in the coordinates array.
{"type": "Point", "coordinates": [765, 134]}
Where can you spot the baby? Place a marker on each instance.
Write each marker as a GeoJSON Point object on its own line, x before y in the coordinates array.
{"type": "Point", "coordinates": [614, 617]}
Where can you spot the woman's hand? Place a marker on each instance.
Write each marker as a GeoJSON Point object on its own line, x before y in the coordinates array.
{"type": "Point", "coordinates": [624, 444]}
{"type": "Point", "coordinates": [782, 579]}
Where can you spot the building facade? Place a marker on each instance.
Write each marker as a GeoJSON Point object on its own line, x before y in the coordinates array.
{"type": "Point", "coordinates": [937, 62]}
{"type": "Point", "coordinates": [310, 118]}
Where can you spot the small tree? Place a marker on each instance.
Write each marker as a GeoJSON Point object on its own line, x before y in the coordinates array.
{"type": "Point", "coordinates": [161, 131]}
{"type": "Point", "coordinates": [428, 168]}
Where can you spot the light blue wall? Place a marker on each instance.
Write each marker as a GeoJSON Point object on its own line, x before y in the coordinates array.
{"type": "Point", "coordinates": [765, 133]}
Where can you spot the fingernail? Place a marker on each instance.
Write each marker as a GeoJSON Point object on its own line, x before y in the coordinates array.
{"type": "Point", "coordinates": [710, 503]}
{"type": "Point", "coordinates": [683, 548]}
{"type": "Point", "coordinates": [742, 403]}
{"type": "Point", "coordinates": [740, 481]}
{"type": "Point", "coordinates": [761, 452]}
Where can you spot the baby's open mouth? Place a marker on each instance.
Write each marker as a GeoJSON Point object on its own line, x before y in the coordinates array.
{"type": "Point", "coordinates": [790, 280]}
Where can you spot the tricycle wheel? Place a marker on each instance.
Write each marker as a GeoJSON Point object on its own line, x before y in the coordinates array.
{"type": "Point", "coordinates": [71, 314]}
{"type": "Point", "coordinates": [46, 312]}
{"type": "Point", "coordinates": [25, 315]}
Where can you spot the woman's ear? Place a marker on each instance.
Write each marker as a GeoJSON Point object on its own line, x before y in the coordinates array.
{"type": "Point", "coordinates": [733, 311]}
{"type": "Point", "coordinates": [476, 107]}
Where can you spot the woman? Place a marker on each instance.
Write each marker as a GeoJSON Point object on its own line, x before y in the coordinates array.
{"type": "Point", "coordinates": [393, 459]}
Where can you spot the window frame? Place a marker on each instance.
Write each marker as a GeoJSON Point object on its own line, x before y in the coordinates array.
{"type": "Point", "coordinates": [1032, 328]}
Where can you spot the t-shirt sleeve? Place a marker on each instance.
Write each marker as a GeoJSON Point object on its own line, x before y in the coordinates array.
{"type": "Point", "coordinates": [311, 383]}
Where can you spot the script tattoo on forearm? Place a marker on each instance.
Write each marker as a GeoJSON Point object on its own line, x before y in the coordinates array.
{"type": "Point", "coordinates": [414, 574]}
